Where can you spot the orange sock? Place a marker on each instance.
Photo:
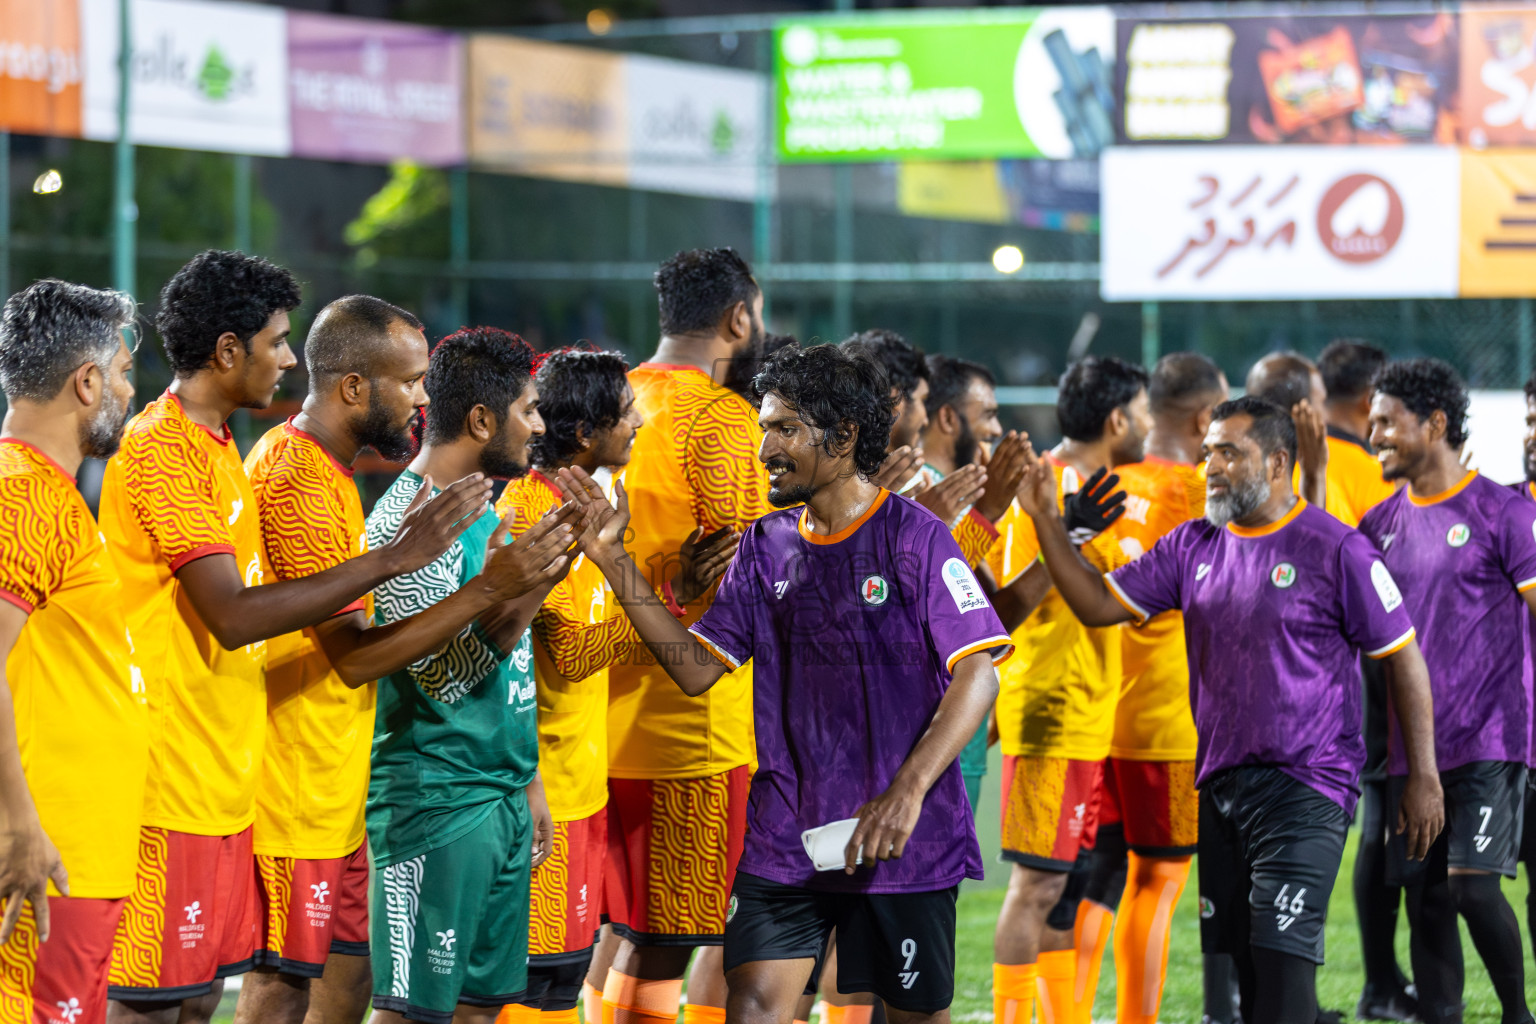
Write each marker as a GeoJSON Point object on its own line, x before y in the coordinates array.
{"type": "Point", "coordinates": [1091, 935]}
{"type": "Point", "coordinates": [700, 1014]}
{"type": "Point", "coordinates": [1057, 971]}
{"type": "Point", "coordinates": [591, 1003]}
{"type": "Point", "coordinates": [558, 1016]}
{"type": "Point", "coordinates": [831, 1014]}
{"type": "Point", "coordinates": [517, 1013]}
{"type": "Point", "coordinates": [1152, 889]}
{"type": "Point", "coordinates": [1013, 993]}
{"type": "Point", "coordinates": [629, 1000]}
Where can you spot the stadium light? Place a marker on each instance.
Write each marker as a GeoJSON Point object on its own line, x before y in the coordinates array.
{"type": "Point", "coordinates": [599, 21]}
{"type": "Point", "coordinates": [1008, 259]}
{"type": "Point", "coordinates": [47, 183]}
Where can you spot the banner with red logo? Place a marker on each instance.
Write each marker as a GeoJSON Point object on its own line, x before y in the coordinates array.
{"type": "Point", "coordinates": [1296, 222]}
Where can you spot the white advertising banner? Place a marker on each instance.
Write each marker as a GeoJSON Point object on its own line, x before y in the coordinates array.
{"type": "Point", "coordinates": [694, 128]}
{"type": "Point", "coordinates": [1280, 222]}
{"type": "Point", "coordinates": [205, 76]}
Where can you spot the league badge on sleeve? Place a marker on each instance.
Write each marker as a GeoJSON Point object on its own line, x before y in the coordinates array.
{"type": "Point", "coordinates": [963, 586]}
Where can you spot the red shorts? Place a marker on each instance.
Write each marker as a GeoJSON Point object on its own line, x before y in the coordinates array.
{"type": "Point", "coordinates": [673, 845]}
{"type": "Point", "coordinates": [1050, 810]}
{"type": "Point", "coordinates": [1156, 802]}
{"type": "Point", "coordinates": [566, 892]}
{"type": "Point", "coordinates": [191, 918]}
{"type": "Point", "coordinates": [64, 979]}
{"type": "Point", "coordinates": [311, 909]}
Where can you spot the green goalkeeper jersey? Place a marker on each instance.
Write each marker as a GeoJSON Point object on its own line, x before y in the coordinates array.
{"type": "Point", "coordinates": [457, 731]}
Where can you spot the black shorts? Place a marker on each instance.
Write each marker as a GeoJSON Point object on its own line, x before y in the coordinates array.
{"type": "Point", "coordinates": [1484, 817]}
{"type": "Point", "coordinates": [1528, 840]}
{"type": "Point", "coordinates": [900, 946]}
{"type": "Point", "coordinates": [1270, 848]}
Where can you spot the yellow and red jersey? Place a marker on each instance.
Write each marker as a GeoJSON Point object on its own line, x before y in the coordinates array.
{"type": "Point", "coordinates": [1354, 479]}
{"type": "Point", "coordinates": [173, 493]}
{"type": "Point", "coordinates": [76, 695]}
{"type": "Point", "coordinates": [579, 631]}
{"type": "Point", "coordinates": [314, 765]}
{"type": "Point", "coordinates": [1153, 720]}
{"type": "Point", "coordinates": [693, 464]}
{"type": "Point", "coordinates": [1060, 688]}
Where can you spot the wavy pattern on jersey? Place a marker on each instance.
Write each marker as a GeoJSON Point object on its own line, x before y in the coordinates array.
{"type": "Point", "coordinates": [577, 645]}
{"type": "Point", "coordinates": [458, 667]}
{"type": "Point", "coordinates": [277, 882]}
{"type": "Point", "coordinates": [549, 895]}
{"type": "Point", "coordinates": [974, 539]}
{"type": "Point", "coordinates": [727, 486]}
{"type": "Point", "coordinates": [1030, 822]}
{"type": "Point", "coordinates": [689, 883]}
{"type": "Point", "coordinates": [168, 475]}
{"type": "Point", "coordinates": [402, 902]}
{"type": "Point", "coordinates": [18, 969]}
{"type": "Point", "coordinates": [136, 949]}
{"type": "Point", "coordinates": [304, 523]}
{"type": "Point", "coordinates": [38, 525]}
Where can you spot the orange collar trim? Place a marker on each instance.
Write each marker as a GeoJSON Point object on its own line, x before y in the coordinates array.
{"type": "Point", "coordinates": [671, 367]}
{"type": "Point", "coordinates": [845, 532]}
{"type": "Point", "coordinates": [1269, 528]}
{"type": "Point", "coordinates": [66, 474]}
{"type": "Point", "coordinates": [294, 431]}
{"type": "Point", "coordinates": [1531, 489]}
{"type": "Point", "coordinates": [1451, 492]}
{"type": "Point", "coordinates": [224, 438]}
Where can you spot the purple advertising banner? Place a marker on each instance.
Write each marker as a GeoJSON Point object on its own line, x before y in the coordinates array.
{"type": "Point", "coordinates": [374, 91]}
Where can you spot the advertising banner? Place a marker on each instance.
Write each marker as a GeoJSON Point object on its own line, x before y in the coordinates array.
{"type": "Point", "coordinates": [1498, 75]}
{"type": "Point", "coordinates": [946, 85]}
{"type": "Point", "coordinates": [40, 66]}
{"type": "Point", "coordinates": [694, 128]}
{"type": "Point", "coordinates": [1057, 195]}
{"type": "Point", "coordinates": [1498, 224]}
{"type": "Point", "coordinates": [374, 91]}
{"type": "Point", "coordinates": [1304, 222]}
{"type": "Point", "coordinates": [1315, 80]}
{"type": "Point", "coordinates": [548, 111]}
{"type": "Point", "coordinates": [205, 76]}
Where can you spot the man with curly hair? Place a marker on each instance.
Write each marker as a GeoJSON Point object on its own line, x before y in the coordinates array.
{"type": "Point", "coordinates": [180, 518]}
{"type": "Point", "coordinates": [1463, 550]}
{"type": "Point", "coordinates": [872, 648]}
{"type": "Point", "coordinates": [456, 811]}
{"type": "Point", "coordinates": [590, 421]}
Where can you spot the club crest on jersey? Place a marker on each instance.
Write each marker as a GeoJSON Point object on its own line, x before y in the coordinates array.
{"type": "Point", "coordinates": [1458, 535]}
{"type": "Point", "coordinates": [1283, 575]}
{"type": "Point", "coordinates": [874, 590]}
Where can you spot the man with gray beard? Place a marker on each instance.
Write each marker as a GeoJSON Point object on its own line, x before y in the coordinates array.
{"type": "Point", "coordinates": [1278, 597]}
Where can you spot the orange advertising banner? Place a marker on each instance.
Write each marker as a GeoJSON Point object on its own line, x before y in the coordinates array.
{"type": "Point", "coordinates": [40, 66]}
{"type": "Point", "coordinates": [1498, 223]}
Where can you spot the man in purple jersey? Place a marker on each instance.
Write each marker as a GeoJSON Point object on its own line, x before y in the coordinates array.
{"type": "Point", "coordinates": [1278, 597]}
{"type": "Point", "coordinates": [1527, 489]}
{"type": "Point", "coordinates": [872, 649]}
{"type": "Point", "coordinates": [1463, 548]}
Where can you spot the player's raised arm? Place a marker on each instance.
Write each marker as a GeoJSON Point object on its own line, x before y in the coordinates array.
{"type": "Point", "coordinates": [690, 664]}
{"type": "Point", "coordinates": [1080, 584]}
{"type": "Point", "coordinates": [238, 614]}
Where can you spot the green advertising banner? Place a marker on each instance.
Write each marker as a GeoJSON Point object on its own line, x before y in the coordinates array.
{"type": "Point", "coordinates": [945, 85]}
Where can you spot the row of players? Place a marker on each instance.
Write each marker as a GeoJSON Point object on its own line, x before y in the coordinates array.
{"type": "Point", "coordinates": [454, 748]}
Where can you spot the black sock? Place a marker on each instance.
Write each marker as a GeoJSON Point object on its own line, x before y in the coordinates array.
{"type": "Point", "coordinates": [1220, 976]}
{"type": "Point", "coordinates": [1284, 989]}
{"type": "Point", "coordinates": [1376, 902]}
{"type": "Point", "coordinates": [1107, 866]}
{"type": "Point", "coordinates": [1435, 948]}
{"type": "Point", "coordinates": [1495, 932]}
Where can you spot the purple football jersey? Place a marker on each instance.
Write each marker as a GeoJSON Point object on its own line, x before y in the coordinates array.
{"type": "Point", "coordinates": [1273, 620]}
{"type": "Point", "coordinates": [1462, 559]}
{"type": "Point", "coordinates": [852, 639]}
